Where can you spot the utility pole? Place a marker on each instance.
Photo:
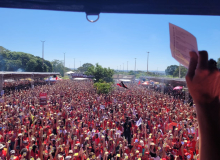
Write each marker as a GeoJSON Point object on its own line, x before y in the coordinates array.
{"type": "Point", "coordinates": [64, 66]}
{"type": "Point", "coordinates": [43, 53]}
{"type": "Point", "coordinates": [127, 66]}
{"type": "Point", "coordinates": [135, 66]}
{"type": "Point", "coordinates": [179, 69]}
{"type": "Point", "coordinates": [147, 60]}
{"type": "Point", "coordinates": [74, 64]}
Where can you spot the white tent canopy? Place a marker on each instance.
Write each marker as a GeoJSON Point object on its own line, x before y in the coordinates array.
{"type": "Point", "coordinates": [70, 72]}
{"type": "Point", "coordinates": [80, 79]}
{"type": "Point", "coordinates": [125, 80]}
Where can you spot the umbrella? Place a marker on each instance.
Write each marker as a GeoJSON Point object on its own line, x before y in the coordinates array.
{"type": "Point", "coordinates": [59, 79]}
{"type": "Point", "coordinates": [177, 88]}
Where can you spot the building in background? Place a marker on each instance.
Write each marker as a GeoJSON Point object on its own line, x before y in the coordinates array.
{"type": "Point", "coordinates": [124, 78]}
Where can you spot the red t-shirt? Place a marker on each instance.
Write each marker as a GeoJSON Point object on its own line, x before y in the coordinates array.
{"type": "Point", "coordinates": [190, 153]}
{"type": "Point", "coordinates": [139, 148]}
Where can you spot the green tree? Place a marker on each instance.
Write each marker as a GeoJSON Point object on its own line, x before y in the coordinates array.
{"type": "Point", "coordinates": [58, 66]}
{"type": "Point", "coordinates": [39, 67]}
{"type": "Point", "coordinates": [183, 72]}
{"type": "Point", "coordinates": [2, 64]}
{"type": "Point", "coordinates": [13, 61]}
{"type": "Point", "coordinates": [2, 49]}
{"type": "Point", "coordinates": [171, 69]}
{"type": "Point", "coordinates": [100, 73]}
{"type": "Point", "coordinates": [218, 63]}
{"type": "Point", "coordinates": [48, 66]}
{"type": "Point", "coordinates": [13, 65]}
{"type": "Point", "coordinates": [131, 73]}
{"type": "Point", "coordinates": [25, 58]}
{"type": "Point", "coordinates": [84, 67]}
{"type": "Point", "coordinates": [103, 87]}
{"type": "Point", "coordinates": [31, 65]}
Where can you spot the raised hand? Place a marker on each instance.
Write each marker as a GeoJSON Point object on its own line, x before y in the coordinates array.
{"type": "Point", "coordinates": [203, 78]}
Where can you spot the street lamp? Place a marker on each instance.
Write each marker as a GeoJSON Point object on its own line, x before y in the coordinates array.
{"type": "Point", "coordinates": [135, 66]}
{"type": "Point", "coordinates": [74, 64]}
{"type": "Point", "coordinates": [147, 60]}
{"type": "Point", "coordinates": [64, 66]}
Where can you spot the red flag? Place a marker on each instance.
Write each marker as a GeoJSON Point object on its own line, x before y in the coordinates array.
{"type": "Point", "coordinates": [139, 82]}
{"type": "Point", "coordinates": [122, 85]}
{"type": "Point", "coordinates": [119, 84]}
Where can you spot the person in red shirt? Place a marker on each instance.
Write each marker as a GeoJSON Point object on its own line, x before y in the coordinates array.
{"type": "Point", "coordinates": [34, 151]}
{"type": "Point", "coordinates": [192, 143]}
{"type": "Point", "coordinates": [13, 156]}
{"type": "Point", "coordinates": [96, 139]}
{"type": "Point", "coordinates": [188, 153]}
{"type": "Point", "coordinates": [145, 156]}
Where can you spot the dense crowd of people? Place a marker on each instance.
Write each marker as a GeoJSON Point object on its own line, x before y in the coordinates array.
{"type": "Point", "coordinates": [12, 85]}
{"type": "Point", "coordinates": [78, 124]}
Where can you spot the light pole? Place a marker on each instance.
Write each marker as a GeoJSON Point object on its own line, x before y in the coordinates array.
{"type": "Point", "coordinates": [127, 66]}
{"type": "Point", "coordinates": [123, 68]}
{"type": "Point", "coordinates": [43, 53]}
{"type": "Point", "coordinates": [147, 60]}
{"type": "Point", "coordinates": [74, 64]}
{"type": "Point", "coordinates": [64, 66]}
{"type": "Point", "coordinates": [135, 66]}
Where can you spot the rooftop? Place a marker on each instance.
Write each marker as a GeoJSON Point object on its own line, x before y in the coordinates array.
{"type": "Point", "coordinates": [18, 75]}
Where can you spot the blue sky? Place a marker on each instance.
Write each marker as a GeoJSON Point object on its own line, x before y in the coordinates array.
{"type": "Point", "coordinates": [113, 40]}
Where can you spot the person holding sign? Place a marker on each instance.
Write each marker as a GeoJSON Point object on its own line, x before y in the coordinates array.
{"type": "Point", "coordinates": [203, 81]}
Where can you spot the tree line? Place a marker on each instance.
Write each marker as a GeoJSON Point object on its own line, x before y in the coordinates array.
{"type": "Point", "coordinates": [173, 71]}
{"type": "Point", "coordinates": [20, 61]}
{"type": "Point", "coordinates": [24, 62]}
